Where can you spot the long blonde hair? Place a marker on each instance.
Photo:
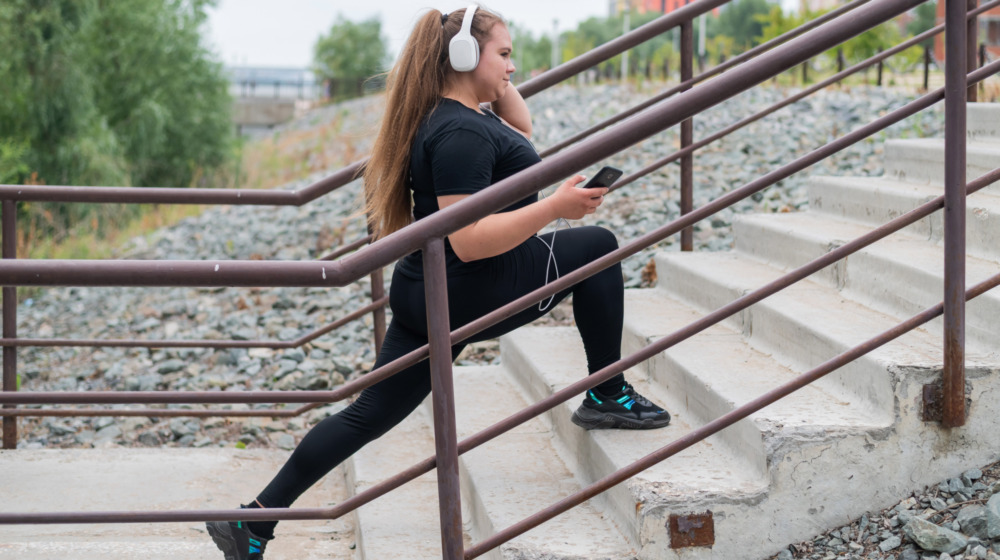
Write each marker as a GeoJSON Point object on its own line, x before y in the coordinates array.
{"type": "Point", "coordinates": [414, 87]}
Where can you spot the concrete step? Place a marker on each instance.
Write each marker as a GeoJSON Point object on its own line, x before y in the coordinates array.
{"type": "Point", "coordinates": [408, 518]}
{"type": "Point", "coordinates": [521, 473]}
{"type": "Point", "coordinates": [921, 160]}
{"type": "Point", "coordinates": [983, 121]}
{"type": "Point", "coordinates": [546, 359]}
{"type": "Point", "coordinates": [802, 326]}
{"type": "Point", "coordinates": [900, 275]}
{"type": "Point", "coordinates": [120, 479]}
{"type": "Point", "coordinates": [876, 200]}
{"type": "Point", "coordinates": [717, 371]}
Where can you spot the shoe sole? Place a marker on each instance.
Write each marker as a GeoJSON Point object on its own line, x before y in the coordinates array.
{"type": "Point", "coordinates": [595, 420]}
{"type": "Point", "coordinates": [223, 538]}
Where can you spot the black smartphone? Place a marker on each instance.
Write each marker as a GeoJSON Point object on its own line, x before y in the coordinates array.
{"type": "Point", "coordinates": [604, 178]}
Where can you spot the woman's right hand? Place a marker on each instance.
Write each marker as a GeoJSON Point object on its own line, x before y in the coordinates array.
{"type": "Point", "coordinates": [572, 202]}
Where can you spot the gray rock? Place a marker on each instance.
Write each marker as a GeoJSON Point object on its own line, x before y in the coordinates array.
{"type": "Point", "coordinates": [181, 427]}
{"type": "Point", "coordinates": [285, 441]}
{"type": "Point", "coordinates": [107, 434]}
{"type": "Point", "coordinates": [993, 517]}
{"type": "Point", "coordinates": [170, 366]}
{"type": "Point", "coordinates": [149, 439]}
{"type": "Point", "coordinates": [929, 536]}
{"type": "Point", "coordinates": [938, 504]}
{"type": "Point", "coordinates": [890, 543]}
{"type": "Point", "coordinates": [972, 520]}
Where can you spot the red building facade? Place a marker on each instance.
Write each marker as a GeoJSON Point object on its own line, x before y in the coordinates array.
{"type": "Point", "coordinates": [989, 32]}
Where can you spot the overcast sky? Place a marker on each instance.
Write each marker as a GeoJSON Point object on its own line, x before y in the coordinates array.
{"type": "Point", "coordinates": [282, 32]}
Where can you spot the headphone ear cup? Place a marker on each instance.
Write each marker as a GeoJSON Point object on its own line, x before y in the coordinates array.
{"type": "Point", "coordinates": [464, 53]}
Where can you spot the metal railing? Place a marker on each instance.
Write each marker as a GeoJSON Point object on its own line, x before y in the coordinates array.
{"type": "Point", "coordinates": [428, 235]}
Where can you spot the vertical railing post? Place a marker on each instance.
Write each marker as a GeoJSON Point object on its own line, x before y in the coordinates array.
{"type": "Point", "coordinates": [953, 382]}
{"type": "Point", "coordinates": [443, 397]}
{"type": "Point", "coordinates": [378, 315]}
{"type": "Point", "coordinates": [878, 80]}
{"type": "Point", "coordinates": [687, 136]}
{"type": "Point", "coordinates": [9, 215]}
{"type": "Point", "coordinates": [927, 67]}
{"type": "Point", "coordinates": [378, 292]}
{"type": "Point", "coordinates": [971, 38]}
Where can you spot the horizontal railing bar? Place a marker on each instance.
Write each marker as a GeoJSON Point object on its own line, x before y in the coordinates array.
{"type": "Point", "coordinates": [203, 343]}
{"type": "Point", "coordinates": [155, 195]}
{"type": "Point", "coordinates": [703, 76]}
{"type": "Point", "coordinates": [632, 177]}
{"type": "Point", "coordinates": [720, 423]}
{"type": "Point", "coordinates": [505, 192]}
{"type": "Point", "coordinates": [146, 412]}
{"type": "Point", "coordinates": [354, 245]}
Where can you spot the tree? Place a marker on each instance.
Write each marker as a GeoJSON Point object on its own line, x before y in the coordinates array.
{"type": "Point", "coordinates": [113, 92]}
{"type": "Point", "coordinates": [350, 54]}
{"type": "Point", "coordinates": [529, 54]}
{"type": "Point", "coordinates": [107, 92]}
{"type": "Point", "coordinates": [740, 20]}
{"type": "Point", "coordinates": [924, 18]}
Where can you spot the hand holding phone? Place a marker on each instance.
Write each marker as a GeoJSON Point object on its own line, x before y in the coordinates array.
{"type": "Point", "coordinates": [604, 178]}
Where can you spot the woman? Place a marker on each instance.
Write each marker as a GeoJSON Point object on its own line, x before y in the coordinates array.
{"type": "Point", "coordinates": [437, 146]}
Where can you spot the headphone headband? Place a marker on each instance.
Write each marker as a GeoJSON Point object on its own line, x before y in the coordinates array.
{"type": "Point", "coordinates": [463, 50]}
{"type": "Point", "coordinates": [470, 13]}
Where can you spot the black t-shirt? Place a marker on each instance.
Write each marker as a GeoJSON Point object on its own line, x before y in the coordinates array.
{"type": "Point", "coordinates": [460, 151]}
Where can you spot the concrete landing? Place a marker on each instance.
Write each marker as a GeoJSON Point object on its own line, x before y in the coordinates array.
{"type": "Point", "coordinates": [153, 479]}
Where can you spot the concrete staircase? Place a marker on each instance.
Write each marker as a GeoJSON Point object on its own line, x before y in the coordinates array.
{"type": "Point", "coordinates": [851, 443]}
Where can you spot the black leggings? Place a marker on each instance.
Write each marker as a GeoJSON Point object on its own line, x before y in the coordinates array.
{"type": "Point", "coordinates": [597, 308]}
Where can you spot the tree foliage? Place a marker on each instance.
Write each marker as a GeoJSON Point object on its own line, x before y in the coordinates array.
{"type": "Point", "coordinates": [350, 54]}
{"type": "Point", "coordinates": [741, 21]}
{"type": "Point", "coordinates": [924, 18]}
{"type": "Point", "coordinates": [596, 31]}
{"type": "Point", "coordinates": [118, 92]}
{"type": "Point", "coordinates": [530, 55]}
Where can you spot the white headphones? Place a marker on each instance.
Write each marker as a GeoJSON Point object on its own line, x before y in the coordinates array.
{"type": "Point", "coordinates": [463, 50]}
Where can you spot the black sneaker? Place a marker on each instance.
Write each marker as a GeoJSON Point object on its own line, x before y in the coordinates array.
{"type": "Point", "coordinates": [626, 409]}
{"type": "Point", "coordinates": [236, 541]}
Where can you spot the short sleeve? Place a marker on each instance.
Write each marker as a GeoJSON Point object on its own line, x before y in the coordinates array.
{"type": "Point", "coordinates": [462, 162]}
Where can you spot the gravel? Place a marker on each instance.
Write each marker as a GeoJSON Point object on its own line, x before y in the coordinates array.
{"type": "Point", "coordinates": [961, 505]}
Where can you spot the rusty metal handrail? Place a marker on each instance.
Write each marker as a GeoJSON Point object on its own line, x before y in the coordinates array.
{"type": "Point", "coordinates": [428, 235]}
{"type": "Point", "coordinates": [563, 395]}
{"type": "Point", "coordinates": [534, 297]}
{"type": "Point", "coordinates": [567, 393]}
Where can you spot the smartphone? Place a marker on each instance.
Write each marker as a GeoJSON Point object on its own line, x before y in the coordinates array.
{"type": "Point", "coordinates": [604, 178]}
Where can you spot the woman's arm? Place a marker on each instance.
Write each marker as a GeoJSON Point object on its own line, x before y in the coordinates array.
{"type": "Point", "coordinates": [499, 233]}
{"type": "Point", "coordinates": [514, 111]}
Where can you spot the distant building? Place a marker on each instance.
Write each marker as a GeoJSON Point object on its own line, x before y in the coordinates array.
{"type": "Point", "coordinates": [643, 6]}
{"type": "Point", "coordinates": [989, 32]}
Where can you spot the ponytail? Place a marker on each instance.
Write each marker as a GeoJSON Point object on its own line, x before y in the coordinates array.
{"type": "Point", "coordinates": [413, 89]}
